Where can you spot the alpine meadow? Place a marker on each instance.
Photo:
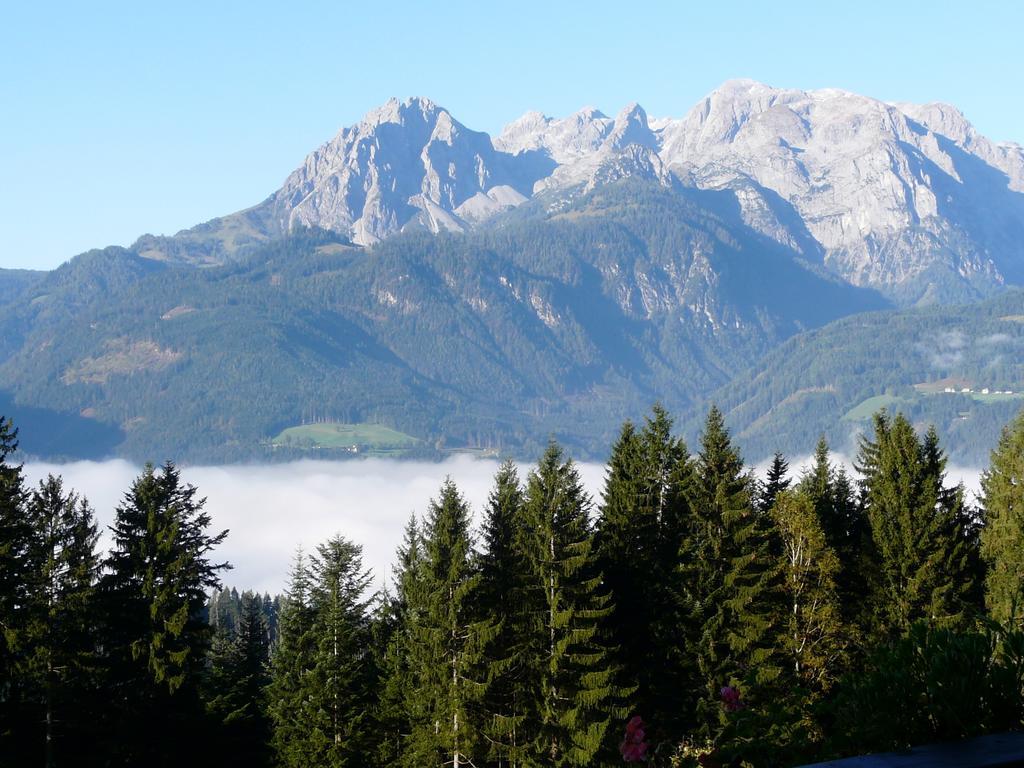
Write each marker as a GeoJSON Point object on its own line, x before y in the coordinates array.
{"type": "Point", "coordinates": [690, 438]}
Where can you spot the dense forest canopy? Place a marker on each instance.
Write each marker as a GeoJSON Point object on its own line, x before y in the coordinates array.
{"type": "Point", "coordinates": [692, 614]}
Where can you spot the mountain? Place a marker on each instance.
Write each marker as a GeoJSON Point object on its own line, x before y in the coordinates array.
{"type": "Point", "coordinates": [960, 368]}
{"type": "Point", "coordinates": [907, 199]}
{"type": "Point", "coordinates": [483, 293]}
{"type": "Point", "coordinates": [561, 324]}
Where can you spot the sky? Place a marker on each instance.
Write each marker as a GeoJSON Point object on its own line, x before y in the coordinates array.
{"type": "Point", "coordinates": [118, 119]}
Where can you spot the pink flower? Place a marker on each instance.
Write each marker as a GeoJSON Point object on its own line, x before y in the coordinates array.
{"type": "Point", "coordinates": [730, 696]}
{"type": "Point", "coordinates": [634, 748]}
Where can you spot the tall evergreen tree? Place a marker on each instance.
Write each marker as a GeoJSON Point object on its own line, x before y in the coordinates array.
{"type": "Point", "coordinates": [776, 481]}
{"type": "Point", "coordinates": [15, 537]}
{"type": "Point", "coordinates": [153, 598]}
{"type": "Point", "coordinates": [730, 576]}
{"type": "Point", "coordinates": [447, 642]}
{"type": "Point", "coordinates": [291, 671]}
{"type": "Point", "coordinates": [573, 688]}
{"type": "Point", "coordinates": [392, 628]}
{"type": "Point", "coordinates": [500, 596]}
{"type": "Point", "coordinates": [639, 531]}
{"type": "Point", "coordinates": [920, 529]}
{"type": "Point", "coordinates": [235, 686]}
{"type": "Point", "coordinates": [338, 694]}
{"type": "Point", "coordinates": [59, 646]}
{"type": "Point", "coordinates": [1002, 539]}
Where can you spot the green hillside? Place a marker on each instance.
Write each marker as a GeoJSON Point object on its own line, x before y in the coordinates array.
{"type": "Point", "coordinates": [830, 380]}
{"type": "Point", "coordinates": [555, 324]}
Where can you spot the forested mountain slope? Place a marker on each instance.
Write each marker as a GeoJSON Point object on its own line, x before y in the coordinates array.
{"type": "Point", "coordinates": [921, 362]}
{"type": "Point", "coordinates": [560, 324]}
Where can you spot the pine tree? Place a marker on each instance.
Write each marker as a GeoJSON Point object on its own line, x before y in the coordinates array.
{"type": "Point", "coordinates": [15, 537]}
{"type": "Point", "coordinates": [1002, 539]}
{"type": "Point", "coordinates": [59, 655]}
{"type": "Point", "coordinates": [573, 689]}
{"type": "Point", "coordinates": [639, 531]}
{"type": "Point", "coordinates": [447, 643]}
{"type": "Point", "coordinates": [730, 578]}
{"type": "Point", "coordinates": [153, 598]}
{"type": "Point", "coordinates": [291, 671]}
{"type": "Point", "coordinates": [340, 679]}
{"type": "Point", "coordinates": [921, 532]}
{"type": "Point", "coordinates": [776, 481]}
{"type": "Point", "coordinates": [503, 577]}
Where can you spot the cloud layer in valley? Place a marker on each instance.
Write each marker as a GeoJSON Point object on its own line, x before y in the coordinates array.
{"type": "Point", "coordinates": [273, 509]}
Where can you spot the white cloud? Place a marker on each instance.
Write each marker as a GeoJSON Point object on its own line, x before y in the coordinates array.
{"type": "Point", "coordinates": [272, 509]}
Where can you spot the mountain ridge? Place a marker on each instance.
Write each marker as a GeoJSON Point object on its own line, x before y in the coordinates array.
{"type": "Point", "coordinates": [908, 199]}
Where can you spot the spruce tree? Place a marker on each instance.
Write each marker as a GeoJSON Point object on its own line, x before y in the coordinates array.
{"type": "Point", "coordinates": [392, 628]}
{"type": "Point", "coordinates": [573, 679]}
{"type": "Point", "coordinates": [153, 597]}
{"type": "Point", "coordinates": [729, 575]}
{"type": "Point", "coordinates": [776, 481]}
{"type": "Point", "coordinates": [1002, 539]}
{"type": "Point", "coordinates": [447, 643]}
{"type": "Point", "coordinates": [921, 532]}
{"type": "Point", "coordinates": [15, 537]}
{"type": "Point", "coordinates": [291, 668]}
{"type": "Point", "coordinates": [500, 597]}
{"type": "Point", "coordinates": [639, 531]}
{"type": "Point", "coordinates": [846, 531]}
{"type": "Point", "coordinates": [338, 697]}
{"type": "Point", "coordinates": [59, 662]}
{"type": "Point", "coordinates": [235, 686]}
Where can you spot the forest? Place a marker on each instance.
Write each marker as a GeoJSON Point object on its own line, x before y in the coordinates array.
{"type": "Point", "coordinates": [693, 614]}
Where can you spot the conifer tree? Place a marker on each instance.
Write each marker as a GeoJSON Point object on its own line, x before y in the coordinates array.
{"type": "Point", "coordinates": [500, 597]}
{"type": "Point", "coordinates": [58, 647]}
{"type": "Point", "coordinates": [153, 597]}
{"type": "Point", "coordinates": [846, 531]}
{"type": "Point", "coordinates": [291, 668]}
{"type": "Point", "coordinates": [338, 691]}
{"type": "Point", "coordinates": [920, 529]}
{"type": "Point", "coordinates": [447, 642]}
{"type": "Point", "coordinates": [392, 627]}
{"type": "Point", "coordinates": [1002, 539]}
{"type": "Point", "coordinates": [639, 531]}
{"type": "Point", "coordinates": [235, 686]}
{"type": "Point", "coordinates": [15, 536]}
{"type": "Point", "coordinates": [573, 687]}
{"type": "Point", "coordinates": [776, 481]}
{"type": "Point", "coordinates": [730, 576]}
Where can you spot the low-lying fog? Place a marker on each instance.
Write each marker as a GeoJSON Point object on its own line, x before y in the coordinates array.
{"type": "Point", "coordinates": [273, 509]}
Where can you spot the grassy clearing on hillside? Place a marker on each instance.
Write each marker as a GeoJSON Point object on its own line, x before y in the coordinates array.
{"type": "Point", "coordinates": [866, 409]}
{"type": "Point", "coordinates": [352, 437]}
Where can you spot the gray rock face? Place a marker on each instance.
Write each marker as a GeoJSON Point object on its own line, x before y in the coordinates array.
{"type": "Point", "coordinates": [905, 198]}
{"type": "Point", "coordinates": [406, 164]}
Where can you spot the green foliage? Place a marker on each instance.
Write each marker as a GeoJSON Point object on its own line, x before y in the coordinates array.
{"type": "Point", "coordinates": [447, 644]}
{"type": "Point", "coordinates": [934, 684]}
{"type": "Point", "coordinates": [572, 681]}
{"type": "Point", "coordinates": [504, 579]}
{"type": "Point", "coordinates": [729, 575]}
{"type": "Point", "coordinates": [924, 537]}
{"type": "Point", "coordinates": [1002, 538]}
{"type": "Point", "coordinates": [641, 525]}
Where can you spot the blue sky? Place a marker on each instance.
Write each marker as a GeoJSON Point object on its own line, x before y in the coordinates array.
{"type": "Point", "coordinates": [117, 119]}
